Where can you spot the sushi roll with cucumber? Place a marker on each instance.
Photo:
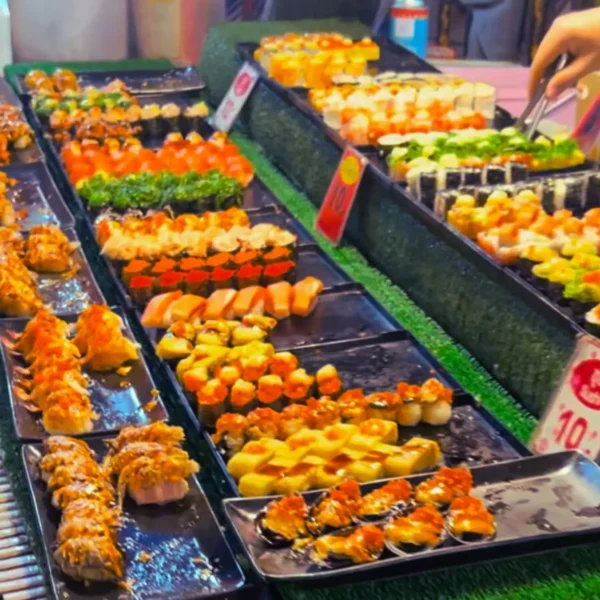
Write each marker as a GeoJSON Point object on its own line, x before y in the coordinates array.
{"type": "Point", "coordinates": [531, 255]}
{"type": "Point", "coordinates": [551, 276]}
{"type": "Point", "coordinates": [583, 292]}
{"type": "Point", "coordinates": [516, 172]}
{"type": "Point", "coordinates": [494, 175]}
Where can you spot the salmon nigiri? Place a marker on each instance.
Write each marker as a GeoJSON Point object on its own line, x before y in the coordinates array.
{"type": "Point", "coordinates": [279, 300]}
{"type": "Point", "coordinates": [220, 305]}
{"type": "Point", "coordinates": [186, 307]}
{"type": "Point", "coordinates": [305, 296]}
{"type": "Point", "coordinates": [249, 301]}
{"type": "Point", "coordinates": [157, 307]}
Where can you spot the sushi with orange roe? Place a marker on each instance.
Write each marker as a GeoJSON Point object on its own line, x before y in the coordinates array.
{"type": "Point", "coordinates": [269, 392]}
{"type": "Point", "coordinates": [211, 402]}
{"type": "Point", "coordinates": [283, 363]}
{"type": "Point", "coordinates": [243, 397]}
{"type": "Point", "coordinates": [328, 381]}
{"type": "Point", "coordinates": [298, 386]}
{"type": "Point", "coordinates": [230, 432]}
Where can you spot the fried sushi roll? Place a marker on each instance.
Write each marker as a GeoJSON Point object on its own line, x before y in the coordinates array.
{"type": "Point", "coordinates": [90, 559]}
{"type": "Point", "coordinates": [446, 485]}
{"type": "Point", "coordinates": [335, 509]}
{"type": "Point", "coordinates": [420, 530]}
{"type": "Point", "coordinates": [381, 502]}
{"type": "Point", "coordinates": [283, 521]}
{"type": "Point", "coordinates": [470, 520]}
{"type": "Point", "coordinates": [361, 545]}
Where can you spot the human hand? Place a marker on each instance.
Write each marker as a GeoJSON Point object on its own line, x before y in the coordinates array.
{"type": "Point", "coordinates": [578, 34]}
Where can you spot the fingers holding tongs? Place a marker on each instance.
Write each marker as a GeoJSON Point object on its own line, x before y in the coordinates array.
{"type": "Point", "coordinates": [540, 94]}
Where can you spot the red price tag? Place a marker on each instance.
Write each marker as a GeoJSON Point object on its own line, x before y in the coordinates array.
{"type": "Point", "coordinates": [336, 207]}
{"type": "Point", "coordinates": [572, 420]}
{"type": "Point", "coordinates": [236, 97]}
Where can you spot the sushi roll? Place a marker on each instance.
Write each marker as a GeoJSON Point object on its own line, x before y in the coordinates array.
{"type": "Point", "coordinates": [516, 172]}
{"type": "Point", "coordinates": [494, 175]}
{"type": "Point", "coordinates": [170, 282]}
{"type": "Point", "coordinates": [283, 363]}
{"type": "Point", "coordinates": [294, 418]}
{"type": "Point", "coordinates": [298, 386]}
{"type": "Point", "coordinates": [231, 433]}
{"type": "Point", "coordinates": [221, 278]}
{"type": "Point", "coordinates": [193, 117]}
{"type": "Point", "coordinates": [444, 201]}
{"type": "Point", "coordinates": [593, 192]}
{"type": "Point", "coordinates": [422, 529]}
{"type": "Point", "coordinates": [254, 367]}
{"type": "Point", "coordinates": [382, 502]}
{"type": "Point", "coordinates": [277, 255]}
{"type": "Point", "coordinates": [248, 275]}
{"type": "Point", "coordinates": [353, 407]}
{"type": "Point", "coordinates": [354, 546]}
{"type": "Point", "coordinates": [243, 397]}
{"type": "Point", "coordinates": [409, 410]}
{"type": "Point", "coordinates": [470, 521]}
{"type": "Point", "coordinates": [135, 268]}
{"type": "Point", "coordinates": [328, 381]}
{"type": "Point", "coordinates": [197, 282]}
{"type": "Point", "coordinates": [473, 177]}
{"type": "Point", "coordinates": [170, 115]}
{"type": "Point", "coordinates": [531, 255]}
{"type": "Point", "coordinates": [454, 179]}
{"type": "Point", "coordinates": [334, 509]}
{"type": "Point", "coordinates": [281, 271]}
{"type": "Point", "coordinates": [445, 486]}
{"type": "Point", "coordinates": [382, 405]}
{"type": "Point", "coordinates": [281, 523]}
{"type": "Point", "coordinates": [427, 186]}
{"type": "Point", "coordinates": [152, 125]}
{"type": "Point", "coordinates": [484, 100]}
{"type": "Point", "coordinates": [141, 289]}
{"type": "Point", "coordinates": [436, 402]}
{"type": "Point", "coordinates": [211, 402]}
{"type": "Point", "coordinates": [270, 392]}
{"type": "Point", "coordinates": [243, 257]}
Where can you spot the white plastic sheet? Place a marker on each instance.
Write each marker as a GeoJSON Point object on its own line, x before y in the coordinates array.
{"type": "Point", "coordinates": [69, 30]}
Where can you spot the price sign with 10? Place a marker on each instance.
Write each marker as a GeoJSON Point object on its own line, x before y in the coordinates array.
{"type": "Point", "coordinates": [572, 420]}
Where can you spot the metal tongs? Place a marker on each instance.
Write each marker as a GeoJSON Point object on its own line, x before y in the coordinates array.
{"type": "Point", "coordinates": [540, 94]}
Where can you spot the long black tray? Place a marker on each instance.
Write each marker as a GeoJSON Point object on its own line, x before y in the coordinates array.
{"type": "Point", "coordinates": [473, 437]}
{"type": "Point", "coordinates": [70, 295]}
{"type": "Point", "coordinates": [540, 503]}
{"type": "Point", "coordinates": [190, 556]}
{"type": "Point", "coordinates": [35, 194]}
{"type": "Point", "coordinates": [140, 81]}
{"type": "Point", "coordinates": [119, 401]}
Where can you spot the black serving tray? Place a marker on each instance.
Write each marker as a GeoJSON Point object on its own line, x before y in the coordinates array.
{"type": "Point", "coordinates": [138, 81]}
{"type": "Point", "coordinates": [119, 401]}
{"type": "Point", "coordinates": [473, 437]}
{"type": "Point", "coordinates": [70, 296]}
{"type": "Point", "coordinates": [190, 556]}
{"type": "Point", "coordinates": [540, 503]}
{"type": "Point", "coordinates": [36, 194]}
{"type": "Point", "coordinates": [340, 314]}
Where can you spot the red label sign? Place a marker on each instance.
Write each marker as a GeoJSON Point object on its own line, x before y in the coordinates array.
{"type": "Point", "coordinates": [235, 98]}
{"type": "Point", "coordinates": [336, 207]}
{"type": "Point", "coordinates": [572, 420]}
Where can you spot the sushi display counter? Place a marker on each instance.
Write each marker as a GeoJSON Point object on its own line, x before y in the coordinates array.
{"type": "Point", "coordinates": [404, 239]}
{"type": "Point", "coordinates": [286, 377]}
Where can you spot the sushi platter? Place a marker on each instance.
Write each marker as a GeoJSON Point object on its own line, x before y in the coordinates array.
{"type": "Point", "coordinates": [147, 81]}
{"type": "Point", "coordinates": [516, 508]}
{"type": "Point", "coordinates": [31, 198]}
{"type": "Point", "coordinates": [298, 381]}
{"type": "Point", "coordinates": [121, 392]}
{"type": "Point", "coordinates": [168, 551]}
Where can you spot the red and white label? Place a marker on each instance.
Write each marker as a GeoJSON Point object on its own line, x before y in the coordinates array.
{"type": "Point", "coordinates": [338, 202]}
{"type": "Point", "coordinates": [236, 97]}
{"type": "Point", "coordinates": [572, 420]}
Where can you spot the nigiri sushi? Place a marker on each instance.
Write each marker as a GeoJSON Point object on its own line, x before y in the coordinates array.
{"type": "Point", "coordinates": [157, 307]}
{"type": "Point", "coordinates": [186, 307]}
{"type": "Point", "coordinates": [250, 300]}
{"type": "Point", "coordinates": [305, 296]}
{"type": "Point", "coordinates": [279, 300]}
{"type": "Point", "coordinates": [220, 305]}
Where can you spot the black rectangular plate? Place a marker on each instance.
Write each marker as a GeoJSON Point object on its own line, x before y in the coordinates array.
{"type": "Point", "coordinates": [116, 406]}
{"type": "Point", "coordinates": [473, 437]}
{"type": "Point", "coordinates": [190, 556]}
{"type": "Point", "coordinates": [339, 315]}
{"type": "Point", "coordinates": [70, 296]}
{"type": "Point", "coordinates": [37, 194]}
{"type": "Point", "coordinates": [7, 94]}
{"type": "Point", "coordinates": [377, 365]}
{"type": "Point", "coordinates": [140, 81]}
{"type": "Point", "coordinates": [537, 502]}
